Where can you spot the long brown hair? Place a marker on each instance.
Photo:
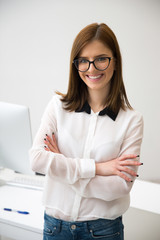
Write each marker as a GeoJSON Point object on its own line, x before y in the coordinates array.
{"type": "Point", "coordinates": [77, 93]}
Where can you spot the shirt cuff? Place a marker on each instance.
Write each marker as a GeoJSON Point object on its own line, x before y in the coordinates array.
{"type": "Point", "coordinates": [88, 168]}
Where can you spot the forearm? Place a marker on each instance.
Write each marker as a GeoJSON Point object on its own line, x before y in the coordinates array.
{"type": "Point", "coordinates": [103, 187]}
{"type": "Point", "coordinates": [120, 166]}
{"type": "Point", "coordinates": [68, 170]}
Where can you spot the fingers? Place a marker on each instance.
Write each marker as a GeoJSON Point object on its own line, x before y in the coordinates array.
{"type": "Point", "coordinates": [123, 162]}
{"type": "Point", "coordinates": [50, 141]}
{"type": "Point", "coordinates": [47, 149]}
{"type": "Point", "coordinates": [54, 138]}
{"type": "Point", "coordinates": [130, 163]}
{"type": "Point", "coordinates": [128, 156]}
{"type": "Point", "coordinates": [128, 170]}
{"type": "Point", "coordinates": [125, 177]}
{"type": "Point", "coordinates": [51, 144]}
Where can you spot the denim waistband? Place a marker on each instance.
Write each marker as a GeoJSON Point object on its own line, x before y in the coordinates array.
{"type": "Point", "coordinates": [94, 223]}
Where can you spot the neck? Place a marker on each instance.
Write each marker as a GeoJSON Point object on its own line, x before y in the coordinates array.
{"type": "Point", "coordinates": [97, 100]}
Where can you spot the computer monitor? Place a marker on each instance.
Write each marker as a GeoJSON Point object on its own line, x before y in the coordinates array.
{"type": "Point", "coordinates": [15, 137]}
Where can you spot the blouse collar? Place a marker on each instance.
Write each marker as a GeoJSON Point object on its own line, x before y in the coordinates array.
{"type": "Point", "coordinates": [106, 111]}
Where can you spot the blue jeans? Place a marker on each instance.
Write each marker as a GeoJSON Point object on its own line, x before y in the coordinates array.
{"type": "Point", "coordinates": [101, 229]}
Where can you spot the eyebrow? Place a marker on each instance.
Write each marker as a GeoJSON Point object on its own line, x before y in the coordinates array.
{"type": "Point", "coordinates": [101, 55]}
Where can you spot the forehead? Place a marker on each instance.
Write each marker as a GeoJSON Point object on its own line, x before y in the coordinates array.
{"type": "Point", "coordinates": [95, 48]}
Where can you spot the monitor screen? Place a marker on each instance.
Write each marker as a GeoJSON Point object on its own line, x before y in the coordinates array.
{"type": "Point", "coordinates": [15, 137]}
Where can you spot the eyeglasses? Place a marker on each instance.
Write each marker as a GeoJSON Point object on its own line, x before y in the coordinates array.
{"type": "Point", "coordinates": [100, 63]}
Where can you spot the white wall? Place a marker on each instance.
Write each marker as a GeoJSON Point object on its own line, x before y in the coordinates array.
{"type": "Point", "coordinates": [35, 43]}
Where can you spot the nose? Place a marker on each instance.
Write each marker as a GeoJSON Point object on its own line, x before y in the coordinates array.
{"type": "Point", "coordinates": [92, 67]}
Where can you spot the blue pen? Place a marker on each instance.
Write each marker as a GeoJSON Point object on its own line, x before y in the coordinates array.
{"type": "Point", "coordinates": [13, 210]}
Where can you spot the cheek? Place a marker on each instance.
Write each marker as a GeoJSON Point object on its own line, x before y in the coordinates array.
{"type": "Point", "coordinates": [110, 73]}
{"type": "Point", "coordinates": [82, 76]}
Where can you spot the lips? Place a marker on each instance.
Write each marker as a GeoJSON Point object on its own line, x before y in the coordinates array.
{"type": "Point", "coordinates": [94, 78]}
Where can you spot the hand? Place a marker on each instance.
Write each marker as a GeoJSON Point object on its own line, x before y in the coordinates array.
{"type": "Point", "coordinates": [117, 166]}
{"type": "Point", "coordinates": [51, 144]}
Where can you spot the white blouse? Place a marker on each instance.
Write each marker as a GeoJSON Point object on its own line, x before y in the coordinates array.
{"type": "Point", "coordinates": [72, 191]}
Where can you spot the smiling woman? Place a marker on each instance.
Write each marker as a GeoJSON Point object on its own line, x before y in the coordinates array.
{"type": "Point", "coordinates": [88, 144]}
{"type": "Point", "coordinates": [92, 42]}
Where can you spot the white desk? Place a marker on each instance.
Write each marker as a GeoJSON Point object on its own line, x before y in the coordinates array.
{"type": "Point", "coordinates": [19, 226]}
{"type": "Point", "coordinates": [144, 195]}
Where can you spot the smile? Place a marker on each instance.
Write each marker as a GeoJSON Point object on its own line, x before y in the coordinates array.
{"type": "Point", "coordinates": [94, 77]}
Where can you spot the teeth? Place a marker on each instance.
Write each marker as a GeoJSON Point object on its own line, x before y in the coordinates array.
{"type": "Point", "coordinates": [94, 77]}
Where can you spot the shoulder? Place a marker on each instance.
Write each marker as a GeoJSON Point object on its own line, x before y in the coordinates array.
{"type": "Point", "coordinates": [57, 107]}
{"type": "Point", "coordinates": [56, 98]}
{"type": "Point", "coordinates": [130, 116]}
{"type": "Point", "coordinates": [53, 105]}
{"type": "Point", "coordinates": [131, 123]}
{"type": "Point", "coordinates": [55, 101]}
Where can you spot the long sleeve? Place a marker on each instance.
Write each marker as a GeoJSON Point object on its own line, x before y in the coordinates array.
{"type": "Point", "coordinates": [113, 187]}
{"type": "Point", "coordinates": [66, 169]}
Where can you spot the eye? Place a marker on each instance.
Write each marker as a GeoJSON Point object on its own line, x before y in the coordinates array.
{"type": "Point", "coordinates": [101, 59]}
{"type": "Point", "coordinates": [82, 60]}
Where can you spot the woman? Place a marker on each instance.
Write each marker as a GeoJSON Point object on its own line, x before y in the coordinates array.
{"type": "Point", "coordinates": [92, 140]}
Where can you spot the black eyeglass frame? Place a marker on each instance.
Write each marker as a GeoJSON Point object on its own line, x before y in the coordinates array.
{"type": "Point", "coordinates": [92, 62]}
